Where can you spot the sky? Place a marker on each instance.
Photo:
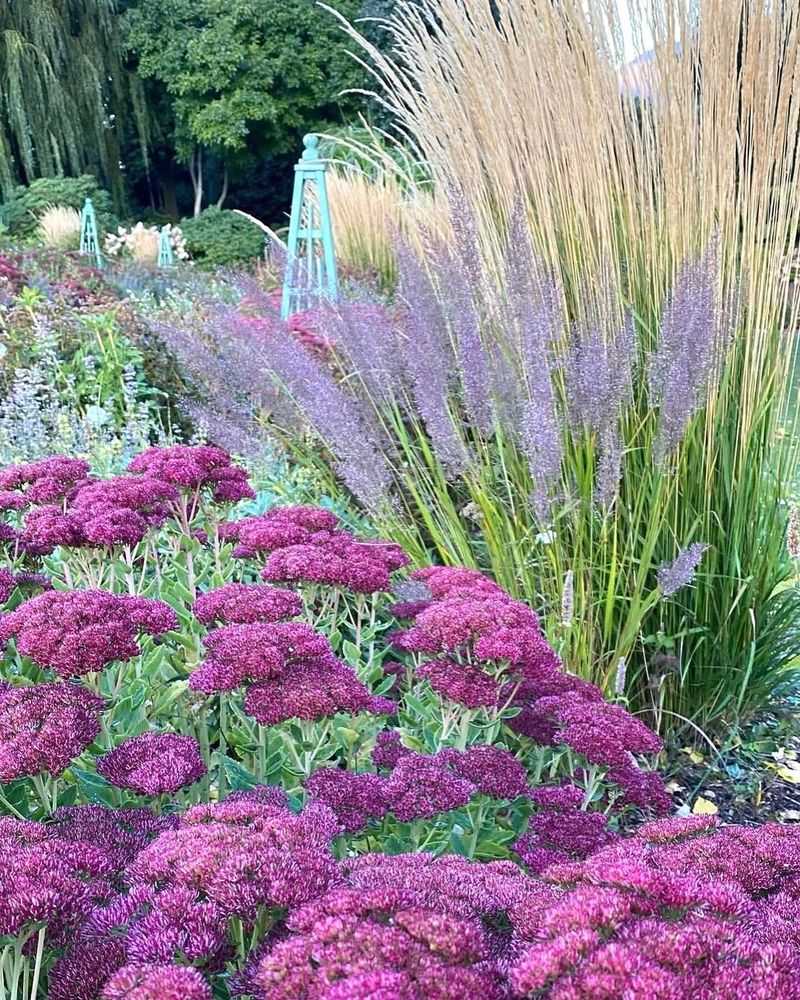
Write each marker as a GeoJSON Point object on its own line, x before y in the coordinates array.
{"type": "Point", "coordinates": [631, 49]}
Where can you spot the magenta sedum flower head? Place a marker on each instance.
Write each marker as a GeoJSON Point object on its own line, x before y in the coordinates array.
{"type": "Point", "coordinates": [559, 798]}
{"type": "Point", "coordinates": [47, 880]}
{"type": "Point", "coordinates": [147, 981]}
{"type": "Point", "coordinates": [459, 682]}
{"type": "Point", "coordinates": [457, 581]}
{"type": "Point", "coordinates": [46, 528]}
{"type": "Point", "coordinates": [453, 623]}
{"type": "Point", "coordinates": [356, 799]}
{"type": "Point", "coordinates": [310, 690]}
{"type": "Point", "coordinates": [149, 496]}
{"type": "Point", "coordinates": [82, 971]}
{"type": "Point", "coordinates": [679, 912]}
{"type": "Point", "coordinates": [79, 631]}
{"type": "Point", "coordinates": [452, 884]}
{"type": "Point", "coordinates": [121, 833]}
{"type": "Point", "coordinates": [7, 584]}
{"type": "Point", "coordinates": [194, 467]}
{"type": "Point", "coordinates": [559, 836]}
{"type": "Point", "coordinates": [46, 479]}
{"type": "Point", "coordinates": [494, 771]}
{"type": "Point", "coordinates": [337, 561]}
{"type": "Point", "coordinates": [153, 763]}
{"type": "Point", "coordinates": [356, 939]}
{"type": "Point", "coordinates": [178, 925]}
{"type": "Point", "coordinates": [388, 749]}
{"type": "Point", "coordinates": [643, 789]}
{"type": "Point", "coordinates": [44, 727]}
{"type": "Point", "coordinates": [113, 526]}
{"type": "Point", "coordinates": [11, 500]}
{"type": "Point", "coordinates": [420, 787]}
{"type": "Point", "coordinates": [244, 855]}
{"type": "Point", "coordinates": [243, 603]}
{"type": "Point", "coordinates": [280, 528]}
{"type": "Point", "coordinates": [256, 652]}
{"type": "Point", "coordinates": [117, 511]}
{"type": "Point", "coordinates": [603, 733]}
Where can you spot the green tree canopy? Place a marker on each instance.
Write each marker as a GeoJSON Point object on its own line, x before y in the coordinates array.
{"type": "Point", "coordinates": [245, 77]}
{"type": "Point", "coordinates": [63, 91]}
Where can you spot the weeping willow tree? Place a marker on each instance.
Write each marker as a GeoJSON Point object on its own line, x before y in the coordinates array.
{"type": "Point", "coordinates": [64, 91]}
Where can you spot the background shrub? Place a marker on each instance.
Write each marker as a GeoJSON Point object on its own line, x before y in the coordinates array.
{"type": "Point", "coordinates": [22, 211]}
{"type": "Point", "coordinates": [218, 237]}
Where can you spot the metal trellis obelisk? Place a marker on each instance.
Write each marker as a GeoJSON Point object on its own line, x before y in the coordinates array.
{"type": "Point", "coordinates": [310, 258]}
{"type": "Point", "coordinates": [90, 244]}
{"type": "Point", "coordinates": [166, 258]}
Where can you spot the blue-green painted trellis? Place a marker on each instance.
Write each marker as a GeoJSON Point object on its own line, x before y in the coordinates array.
{"type": "Point", "coordinates": [166, 257]}
{"type": "Point", "coordinates": [310, 259]}
{"type": "Point", "coordinates": [90, 243]}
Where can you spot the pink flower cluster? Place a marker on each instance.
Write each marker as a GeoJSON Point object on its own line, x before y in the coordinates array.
{"type": "Point", "coordinates": [196, 467]}
{"type": "Point", "coordinates": [312, 690]}
{"type": "Point", "coordinates": [153, 763]}
{"type": "Point", "coordinates": [9, 580]}
{"type": "Point", "coordinates": [470, 614]}
{"type": "Point", "coordinates": [289, 669]}
{"type": "Point", "coordinates": [239, 654]}
{"type": "Point", "coordinates": [117, 511]}
{"type": "Point", "coordinates": [146, 981]}
{"type": "Point", "coordinates": [216, 863]}
{"type": "Point", "coordinates": [142, 927]}
{"type": "Point", "coordinates": [43, 727]}
{"type": "Point", "coordinates": [360, 943]}
{"type": "Point", "coordinates": [42, 481]}
{"type": "Point", "coordinates": [47, 880]}
{"type": "Point", "coordinates": [561, 830]}
{"type": "Point", "coordinates": [76, 632]}
{"type": "Point", "coordinates": [306, 545]}
{"type": "Point", "coordinates": [419, 786]}
{"type": "Point", "coordinates": [246, 604]}
{"type": "Point", "coordinates": [677, 911]}
{"type": "Point", "coordinates": [72, 509]}
{"type": "Point", "coordinates": [243, 854]}
{"type": "Point", "coordinates": [121, 833]}
{"type": "Point", "coordinates": [492, 651]}
{"type": "Point", "coordinates": [407, 927]}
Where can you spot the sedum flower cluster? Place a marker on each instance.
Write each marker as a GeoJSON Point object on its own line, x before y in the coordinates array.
{"type": "Point", "coordinates": [307, 545]}
{"type": "Point", "coordinates": [57, 502]}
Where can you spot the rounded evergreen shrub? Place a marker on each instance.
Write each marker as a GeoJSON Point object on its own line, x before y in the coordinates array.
{"type": "Point", "coordinates": [22, 212]}
{"type": "Point", "coordinates": [218, 237]}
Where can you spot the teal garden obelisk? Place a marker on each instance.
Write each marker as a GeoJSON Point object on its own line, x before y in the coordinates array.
{"type": "Point", "coordinates": [310, 259]}
{"type": "Point", "coordinates": [166, 257]}
{"type": "Point", "coordinates": [90, 244]}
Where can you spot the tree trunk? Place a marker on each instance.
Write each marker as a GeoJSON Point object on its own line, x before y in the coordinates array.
{"type": "Point", "coordinates": [224, 193]}
{"type": "Point", "coordinates": [196, 173]}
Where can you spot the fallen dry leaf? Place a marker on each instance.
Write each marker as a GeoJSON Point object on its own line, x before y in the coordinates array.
{"type": "Point", "coordinates": [704, 807]}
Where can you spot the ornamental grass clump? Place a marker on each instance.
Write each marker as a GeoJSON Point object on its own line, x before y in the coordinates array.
{"type": "Point", "coordinates": [583, 373]}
